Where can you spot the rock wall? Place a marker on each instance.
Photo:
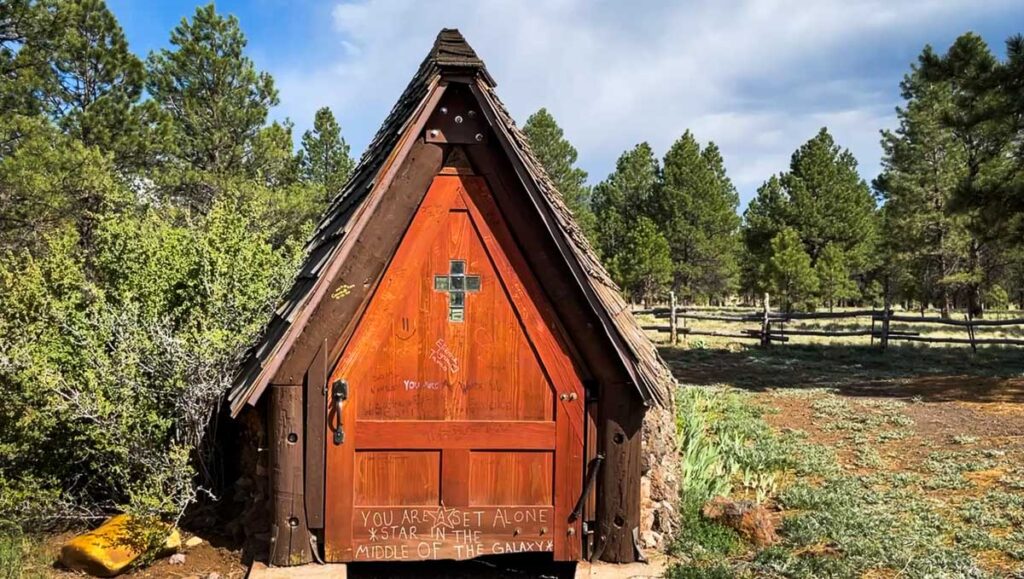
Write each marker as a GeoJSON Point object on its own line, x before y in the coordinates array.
{"type": "Point", "coordinates": [659, 479]}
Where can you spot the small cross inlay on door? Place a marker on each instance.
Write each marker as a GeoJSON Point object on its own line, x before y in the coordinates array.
{"type": "Point", "coordinates": [456, 284]}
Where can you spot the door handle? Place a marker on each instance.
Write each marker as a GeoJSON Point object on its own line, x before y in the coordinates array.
{"type": "Point", "coordinates": [339, 394]}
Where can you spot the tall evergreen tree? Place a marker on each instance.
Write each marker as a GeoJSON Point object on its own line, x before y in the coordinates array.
{"type": "Point", "coordinates": [94, 78]}
{"type": "Point", "coordinates": [324, 158]}
{"type": "Point", "coordinates": [985, 116]}
{"type": "Point", "coordinates": [823, 199]}
{"type": "Point", "coordinates": [271, 159]}
{"type": "Point", "coordinates": [764, 218]}
{"type": "Point", "coordinates": [792, 276]}
{"type": "Point", "coordinates": [643, 266]}
{"type": "Point", "coordinates": [558, 157]}
{"type": "Point", "coordinates": [695, 208]}
{"type": "Point", "coordinates": [830, 203]}
{"type": "Point", "coordinates": [622, 205]}
{"type": "Point", "coordinates": [25, 24]}
{"type": "Point", "coordinates": [834, 283]}
{"type": "Point", "coordinates": [984, 133]}
{"type": "Point", "coordinates": [625, 196]}
{"type": "Point", "coordinates": [927, 247]}
{"type": "Point", "coordinates": [217, 100]}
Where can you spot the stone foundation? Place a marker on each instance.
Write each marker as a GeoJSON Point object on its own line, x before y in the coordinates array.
{"type": "Point", "coordinates": [659, 479]}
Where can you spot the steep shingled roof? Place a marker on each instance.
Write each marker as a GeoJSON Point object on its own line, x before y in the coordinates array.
{"type": "Point", "coordinates": [451, 54]}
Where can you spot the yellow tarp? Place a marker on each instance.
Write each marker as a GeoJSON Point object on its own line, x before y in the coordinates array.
{"type": "Point", "coordinates": [110, 548]}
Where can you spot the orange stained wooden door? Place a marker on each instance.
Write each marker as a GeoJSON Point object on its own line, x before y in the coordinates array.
{"type": "Point", "coordinates": [463, 422]}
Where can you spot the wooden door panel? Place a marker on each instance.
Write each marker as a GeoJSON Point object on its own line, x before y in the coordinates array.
{"type": "Point", "coordinates": [511, 478]}
{"type": "Point", "coordinates": [397, 477]}
{"type": "Point", "coordinates": [422, 366]}
{"type": "Point", "coordinates": [462, 422]}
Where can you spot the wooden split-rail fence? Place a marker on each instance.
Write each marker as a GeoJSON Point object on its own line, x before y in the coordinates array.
{"type": "Point", "coordinates": [770, 326]}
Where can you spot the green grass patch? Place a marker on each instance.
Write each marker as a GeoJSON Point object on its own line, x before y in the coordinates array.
{"type": "Point", "coordinates": [20, 556]}
{"type": "Point", "coordinates": [836, 524]}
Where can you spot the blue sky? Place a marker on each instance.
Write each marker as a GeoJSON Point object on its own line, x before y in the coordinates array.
{"type": "Point", "coordinates": [758, 77]}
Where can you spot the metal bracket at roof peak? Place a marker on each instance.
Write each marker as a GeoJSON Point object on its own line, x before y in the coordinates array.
{"type": "Point", "coordinates": [456, 122]}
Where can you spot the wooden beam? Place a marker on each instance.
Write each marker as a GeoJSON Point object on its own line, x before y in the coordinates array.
{"type": "Point", "coordinates": [618, 499]}
{"type": "Point", "coordinates": [475, 434]}
{"type": "Point", "coordinates": [316, 425]}
{"type": "Point", "coordinates": [289, 539]}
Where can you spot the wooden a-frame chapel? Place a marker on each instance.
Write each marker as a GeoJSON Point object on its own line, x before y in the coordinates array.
{"type": "Point", "coordinates": [453, 373]}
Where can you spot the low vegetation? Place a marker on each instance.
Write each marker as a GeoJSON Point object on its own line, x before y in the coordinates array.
{"type": "Point", "coordinates": [858, 487]}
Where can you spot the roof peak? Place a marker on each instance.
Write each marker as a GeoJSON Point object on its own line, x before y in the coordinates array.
{"type": "Point", "coordinates": [451, 53]}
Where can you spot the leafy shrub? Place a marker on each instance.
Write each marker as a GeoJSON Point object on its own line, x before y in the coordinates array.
{"type": "Point", "coordinates": [114, 361]}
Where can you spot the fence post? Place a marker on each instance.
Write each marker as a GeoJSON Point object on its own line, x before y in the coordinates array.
{"type": "Point", "coordinates": [673, 335]}
{"type": "Point", "coordinates": [970, 331]}
{"type": "Point", "coordinates": [885, 324]}
{"type": "Point", "coordinates": [765, 327]}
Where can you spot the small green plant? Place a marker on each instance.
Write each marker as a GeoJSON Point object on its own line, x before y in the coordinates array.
{"type": "Point", "coordinates": [17, 558]}
{"type": "Point", "coordinates": [11, 551]}
{"type": "Point", "coordinates": [964, 439]}
{"type": "Point", "coordinates": [698, 344]}
{"type": "Point", "coordinates": [678, 571]}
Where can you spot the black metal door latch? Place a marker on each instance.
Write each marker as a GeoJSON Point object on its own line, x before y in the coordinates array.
{"type": "Point", "coordinates": [339, 394]}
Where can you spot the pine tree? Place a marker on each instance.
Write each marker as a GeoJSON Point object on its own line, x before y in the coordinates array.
{"type": "Point", "coordinates": [792, 276]}
{"type": "Point", "coordinates": [984, 131]}
{"type": "Point", "coordinates": [695, 208]}
{"type": "Point", "coordinates": [324, 158]}
{"type": "Point", "coordinates": [558, 157]}
{"type": "Point", "coordinates": [51, 182]}
{"type": "Point", "coordinates": [271, 160]}
{"type": "Point", "coordinates": [830, 203]}
{"type": "Point", "coordinates": [643, 267]}
{"type": "Point", "coordinates": [73, 64]}
{"type": "Point", "coordinates": [217, 100]}
{"type": "Point", "coordinates": [986, 101]}
{"type": "Point", "coordinates": [765, 217]}
{"type": "Point", "coordinates": [926, 246]}
{"type": "Point", "coordinates": [28, 31]}
{"type": "Point", "coordinates": [94, 78]}
{"type": "Point", "coordinates": [624, 197]}
{"type": "Point", "coordinates": [834, 283]}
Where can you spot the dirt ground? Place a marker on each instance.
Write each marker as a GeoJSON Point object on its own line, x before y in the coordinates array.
{"type": "Point", "coordinates": [950, 421]}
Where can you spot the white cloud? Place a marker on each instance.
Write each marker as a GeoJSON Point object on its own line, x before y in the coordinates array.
{"type": "Point", "coordinates": [614, 74]}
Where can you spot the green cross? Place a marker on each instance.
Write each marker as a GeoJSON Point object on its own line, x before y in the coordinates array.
{"type": "Point", "coordinates": [456, 284]}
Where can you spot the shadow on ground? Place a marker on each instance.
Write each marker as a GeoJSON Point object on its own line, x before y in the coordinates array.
{"type": "Point", "coordinates": [929, 374]}
{"type": "Point", "coordinates": [521, 566]}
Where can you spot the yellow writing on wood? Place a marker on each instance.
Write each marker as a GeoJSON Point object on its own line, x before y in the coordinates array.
{"type": "Point", "coordinates": [110, 548]}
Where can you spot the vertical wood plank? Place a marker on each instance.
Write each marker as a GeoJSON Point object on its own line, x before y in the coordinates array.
{"type": "Point", "coordinates": [289, 543]}
{"type": "Point", "coordinates": [673, 335]}
{"type": "Point", "coordinates": [455, 473]}
{"type": "Point", "coordinates": [316, 417]}
{"type": "Point", "coordinates": [618, 502]}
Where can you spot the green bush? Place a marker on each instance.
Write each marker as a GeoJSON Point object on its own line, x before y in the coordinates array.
{"type": "Point", "coordinates": [115, 361]}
